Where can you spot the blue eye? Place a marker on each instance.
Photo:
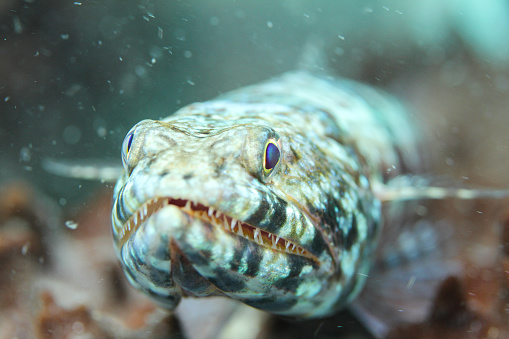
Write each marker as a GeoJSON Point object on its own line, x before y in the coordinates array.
{"type": "Point", "coordinates": [271, 157]}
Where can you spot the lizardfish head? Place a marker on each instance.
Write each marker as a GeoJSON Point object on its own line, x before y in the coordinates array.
{"type": "Point", "coordinates": [253, 201]}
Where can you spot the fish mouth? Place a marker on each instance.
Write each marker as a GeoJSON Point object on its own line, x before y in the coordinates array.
{"type": "Point", "coordinates": [215, 218]}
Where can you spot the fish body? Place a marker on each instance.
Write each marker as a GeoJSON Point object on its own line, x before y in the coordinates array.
{"type": "Point", "coordinates": [267, 194]}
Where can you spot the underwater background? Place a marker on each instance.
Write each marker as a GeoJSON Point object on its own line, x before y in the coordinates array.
{"type": "Point", "coordinates": [75, 76]}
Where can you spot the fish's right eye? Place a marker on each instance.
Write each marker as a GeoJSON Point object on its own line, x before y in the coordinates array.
{"type": "Point", "coordinates": [126, 147]}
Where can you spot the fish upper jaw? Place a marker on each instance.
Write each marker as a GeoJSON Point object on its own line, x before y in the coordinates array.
{"type": "Point", "coordinates": [214, 218]}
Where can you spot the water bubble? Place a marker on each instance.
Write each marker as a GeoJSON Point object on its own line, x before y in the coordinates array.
{"type": "Point", "coordinates": [71, 134]}
{"type": "Point", "coordinates": [140, 71]}
{"type": "Point", "coordinates": [64, 36]}
{"type": "Point", "coordinates": [269, 24]}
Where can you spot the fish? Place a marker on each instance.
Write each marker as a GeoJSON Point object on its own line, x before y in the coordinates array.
{"type": "Point", "coordinates": [276, 195]}
{"type": "Point", "coordinates": [267, 194]}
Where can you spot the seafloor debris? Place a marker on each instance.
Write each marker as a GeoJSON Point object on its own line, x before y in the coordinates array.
{"type": "Point", "coordinates": [475, 306]}
{"type": "Point", "coordinates": [57, 282]}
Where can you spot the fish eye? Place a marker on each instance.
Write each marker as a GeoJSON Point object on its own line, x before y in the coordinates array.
{"type": "Point", "coordinates": [126, 146]}
{"type": "Point", "coordinates": [271, 156]}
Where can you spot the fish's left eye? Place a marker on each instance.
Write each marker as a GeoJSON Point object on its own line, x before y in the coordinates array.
{"type": "Point", "coordinates": [271, 156]}
{"type": "Point", "coordinates": [126, 146]}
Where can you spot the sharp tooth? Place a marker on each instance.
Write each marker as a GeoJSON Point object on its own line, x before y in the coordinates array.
{"type": "Point", "coordinates": [166, 202]}
{"type": "Point", "coordinates": [225, 223]}
{"type": "Point", "coordinates": [274, 242]}
{"type": "Point", "coordinates": [234, 222]}
{"type": "Point", "coordinates": [293, 247]}
{"type": "Point", "coordinates": [144, 210]}
{"type": "Point", "coordinates": [218, 214]}
{"type": "Point", "coordinates": [187, 207]}
{"type": "Point", "coordinates": [277, 239]}
{"type": "Point", "coordinates": [135, 218]}
{"type": "Point", "coordinates": [255, 234]}
{"type": "Point", "coordinates": [211, 211]}
{"type": "Point", "coordinates": [287, 244]}
{"type": "Point", "coordinates": [240, 231]}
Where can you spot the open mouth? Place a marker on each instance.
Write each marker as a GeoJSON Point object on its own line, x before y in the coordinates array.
{"type": "Point", "coordinates": [216, 218]}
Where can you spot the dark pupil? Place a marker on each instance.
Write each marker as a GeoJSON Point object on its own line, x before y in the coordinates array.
{"type": "Point", "coordinates": [129, 142]}
{"type": "Point", "coordinates": [271, 156]}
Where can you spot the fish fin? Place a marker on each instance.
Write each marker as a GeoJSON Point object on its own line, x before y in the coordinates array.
{"type": "Point", "coordinates": [422, 243]}
{"type": "Point", "coordinates": [411, 261]}
{"type": "Point", "coordinates": [90, 169]}
{"type": "Point", "coordinates": [414, 187]}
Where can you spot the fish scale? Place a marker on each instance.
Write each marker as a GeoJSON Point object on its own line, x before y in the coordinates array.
{"type": "Point", "coordinates": [335, 141]}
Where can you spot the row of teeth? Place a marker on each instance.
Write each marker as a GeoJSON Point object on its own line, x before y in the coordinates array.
{"type": "Point", "coordinates": [219, 219]}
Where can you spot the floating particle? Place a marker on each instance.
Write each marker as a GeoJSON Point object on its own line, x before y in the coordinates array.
{"type": "Point", "coordinates": [180, 34]}
{"type": "Point", "coordinates": [71, 224]}
{"type": "Point", "coordinates": [18, 27]}
{"type": "Point", "coordinates": [25, 249]}
{"type": "Point", "coordinates": [24, 154]}
{"type": "Point", "coordinates": [270, 24]}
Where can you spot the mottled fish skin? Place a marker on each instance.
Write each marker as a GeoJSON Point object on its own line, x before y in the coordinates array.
{"type": "Point", "coordinates": [315, 216]}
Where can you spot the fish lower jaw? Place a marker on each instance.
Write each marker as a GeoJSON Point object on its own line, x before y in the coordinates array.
{"type": "Point", "coordinates": [212, 217]}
